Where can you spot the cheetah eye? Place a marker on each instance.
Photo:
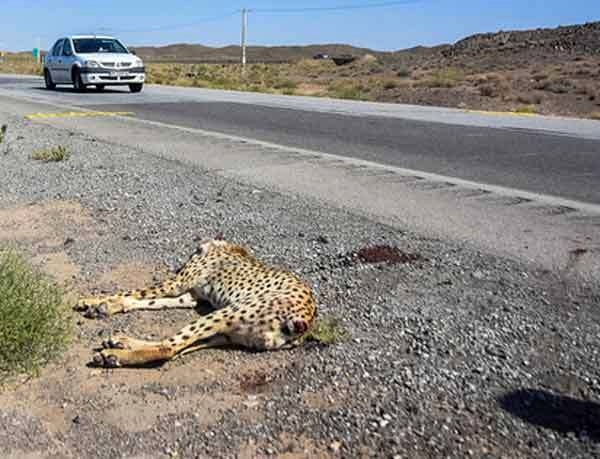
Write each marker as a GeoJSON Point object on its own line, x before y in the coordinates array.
{"type": "Point", "coordinates": [294, 327]}
{"type": "Point", "coordinates": [287, 327]}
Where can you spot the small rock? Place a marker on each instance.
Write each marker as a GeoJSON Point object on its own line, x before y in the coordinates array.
{"type": "Point", "coordinates": [335, 446]}
{"type": "Point", "coordinates": [478, 275]}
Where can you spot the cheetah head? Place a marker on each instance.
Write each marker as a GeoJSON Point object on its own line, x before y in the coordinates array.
{"type": "Point", "coordinates": [209, 245]}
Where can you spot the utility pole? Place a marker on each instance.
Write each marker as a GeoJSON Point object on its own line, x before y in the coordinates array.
{"type": "Point", "coordinates": [244, 31]}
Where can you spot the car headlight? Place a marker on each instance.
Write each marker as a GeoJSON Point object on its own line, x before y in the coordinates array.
{"type": "Point", "coordinates": [91, 64]}
{"type": "Point", "coordinates": [138, 63]}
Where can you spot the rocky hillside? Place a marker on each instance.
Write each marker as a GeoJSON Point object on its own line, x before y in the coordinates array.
{"type": "Point", "coordinates": [580, 39]}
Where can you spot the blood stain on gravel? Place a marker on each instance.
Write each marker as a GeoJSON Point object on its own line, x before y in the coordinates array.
{"type": "Point", "coordinates": [385, 254]}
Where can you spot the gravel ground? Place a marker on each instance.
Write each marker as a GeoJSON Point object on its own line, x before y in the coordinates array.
{"type": "Point", "coordinates": [454, 353]}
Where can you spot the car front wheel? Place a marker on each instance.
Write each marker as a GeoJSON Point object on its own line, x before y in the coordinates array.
{"type": "Point", "coordinates": [77, 81]}
{"type": "Point", "coordinates": [48, 80]}
{"type": "Point", "coordinates": [136, 87]}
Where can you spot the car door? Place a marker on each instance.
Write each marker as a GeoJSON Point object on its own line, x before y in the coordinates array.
{"type": "Point", "coordinates": [52, 61]}
{"type": "Point", "coordinates": [67, 60]}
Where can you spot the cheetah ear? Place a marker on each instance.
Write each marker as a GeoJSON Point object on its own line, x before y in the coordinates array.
{"type": "Point", "coordinates": [219, 236]}
{"type": "Point", "coordinates": [201, 248]}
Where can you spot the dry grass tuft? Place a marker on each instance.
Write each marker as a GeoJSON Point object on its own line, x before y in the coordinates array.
{"type": "Point", "coordinates": [54, 154]}
{"type": "Point", "coordinates": [327, 330]}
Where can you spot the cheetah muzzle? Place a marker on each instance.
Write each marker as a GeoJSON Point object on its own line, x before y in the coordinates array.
{"type": "Point", "coordinates": [255, 306]}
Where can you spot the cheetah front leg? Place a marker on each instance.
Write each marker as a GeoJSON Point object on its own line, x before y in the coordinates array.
{"type": "Point", "coordinates": [208, 331]}
{"type": "Point", "coordinates": [123, 351]}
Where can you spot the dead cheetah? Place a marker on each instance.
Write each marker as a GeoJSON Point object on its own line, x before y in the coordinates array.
{"type": "Point", "coordinates": [255, 306]}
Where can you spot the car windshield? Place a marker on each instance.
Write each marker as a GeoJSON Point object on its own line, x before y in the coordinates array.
{"type": "Point", "coordinates": [98, 45]}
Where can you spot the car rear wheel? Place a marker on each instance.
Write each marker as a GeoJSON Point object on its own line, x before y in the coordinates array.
{"type": "Point", "coordinates": [48, 80]}
{"type": "Point", "coordinates": [77, 81]}
{"type": "Point", "coordinates": [136, 87]}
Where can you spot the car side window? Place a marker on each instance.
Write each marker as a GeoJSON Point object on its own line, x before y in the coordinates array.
{"type": "Point", "coordinates": [55, 48]}
{"type": "Point", "coordinates": [67, 48]}
{"type": "Point", "coordinates": [58, 48]}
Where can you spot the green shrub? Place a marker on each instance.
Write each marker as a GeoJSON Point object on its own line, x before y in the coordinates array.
{"type": "Point", "coordinates": [327, 330]}
{"type": "Point", "coordinates": [35, 323]}
{"type": "Point", "coordinates": [403, 72]}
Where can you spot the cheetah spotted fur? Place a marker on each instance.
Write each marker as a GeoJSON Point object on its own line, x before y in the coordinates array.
{"type": "Point", "coordinates": [255, 306]}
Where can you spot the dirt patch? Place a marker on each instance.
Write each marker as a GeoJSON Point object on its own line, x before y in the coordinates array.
{"type": "Point", "coordinates": [323, 400]}
{"type": "Point", "coordinates": [58, 265]}
{"type": "Point", "coordinates": [309, 89]}
{"type": "Point", "coordinates": [48, 224]}
{"type": "Point", "coordinates": [138, 415]}
{"type": "Point", "coordinates": [133, 275]}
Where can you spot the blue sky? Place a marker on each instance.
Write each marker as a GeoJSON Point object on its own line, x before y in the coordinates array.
{"type": "Point", "coordinates": [425, 22]}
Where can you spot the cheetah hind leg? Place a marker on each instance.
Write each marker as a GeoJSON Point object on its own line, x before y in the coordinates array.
{"type": "Point", "coordinates": [100, 307]}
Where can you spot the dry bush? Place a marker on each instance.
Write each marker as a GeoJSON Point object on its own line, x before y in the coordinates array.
{"type": "Point", "coordinates": [496, 86]}
{"type": "Point", "coordinates": [529, 99]}
{"type": "Point", "coordinates": [555, 85]}
{"type": "Point", "coordinates": [447, 78]}
{"type": "Point", "coordinates": [347, 89]}
{"type": "Point", "coordinates": [537, 77]}
{"type": "Point", "coordinates": [488, 90]}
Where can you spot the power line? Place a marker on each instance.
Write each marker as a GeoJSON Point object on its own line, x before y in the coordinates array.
{"type": "Point", "coordinates": [176, 26]}
{"type": "Point", "coordinates": [343, 7]}
{"type": "Point", "coordinates": [346, 7]}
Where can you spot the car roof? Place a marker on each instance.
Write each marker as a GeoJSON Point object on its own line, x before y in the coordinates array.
{"type": "Point", "coordinates": [91, 36]}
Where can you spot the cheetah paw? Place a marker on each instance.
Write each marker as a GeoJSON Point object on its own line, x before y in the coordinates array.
{"type": "Point", "coordinates": [107, 359]}
{"type": "Point", "coordinates": [96, 311]}
{"type": "Point", "coordinates": [115, 342]}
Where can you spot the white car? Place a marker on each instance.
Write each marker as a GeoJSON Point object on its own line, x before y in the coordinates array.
{"type": "Point", "coordinates": [93, 60]}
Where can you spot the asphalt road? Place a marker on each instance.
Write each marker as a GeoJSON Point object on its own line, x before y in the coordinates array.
{"type": "Point", "coordinates": [532, 154]}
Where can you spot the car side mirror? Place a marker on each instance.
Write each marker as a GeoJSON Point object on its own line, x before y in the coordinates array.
{"type": "Point", "coordinates": [133, 52]}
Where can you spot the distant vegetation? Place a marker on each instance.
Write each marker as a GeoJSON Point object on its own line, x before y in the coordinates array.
{"type": "Point", "coordinates": [543, 71]}
{"type": "Point", "coordinates": [20, 63]}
